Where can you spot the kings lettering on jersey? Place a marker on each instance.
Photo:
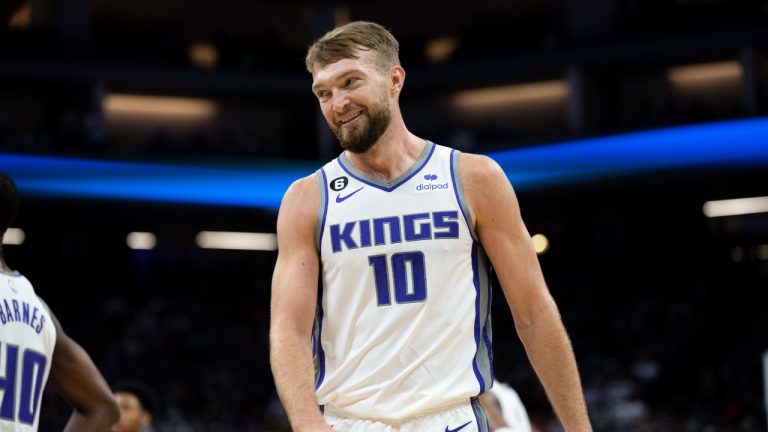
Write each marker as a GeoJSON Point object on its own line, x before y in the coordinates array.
{"type": "Point", "coordinates": [394, 229]}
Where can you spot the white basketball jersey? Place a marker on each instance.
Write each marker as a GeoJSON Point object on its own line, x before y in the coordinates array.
{"type": "Point", "coordinates": [404, 321]}
{"type": "Point", "coordinates": [27, 340]}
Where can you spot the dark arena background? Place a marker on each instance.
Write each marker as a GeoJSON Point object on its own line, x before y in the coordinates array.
{"type": "Point", "coordinates": [139, 131]}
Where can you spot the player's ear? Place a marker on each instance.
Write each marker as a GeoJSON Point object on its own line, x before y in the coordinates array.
{"type": "Point", "coordinates": [396, 78]}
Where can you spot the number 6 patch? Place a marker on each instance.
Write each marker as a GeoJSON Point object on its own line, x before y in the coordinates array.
{"type": "Point", "coordinates": [339, 183]}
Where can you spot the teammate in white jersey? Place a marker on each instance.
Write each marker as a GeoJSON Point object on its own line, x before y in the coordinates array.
{"type": "Point", "coordinates": [401, 232]}
{"type": "Point", "coordinates": [33, 345]}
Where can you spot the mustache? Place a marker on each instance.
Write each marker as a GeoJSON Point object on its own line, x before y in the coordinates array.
{"type": "Point", "coordinates": [337, 116]}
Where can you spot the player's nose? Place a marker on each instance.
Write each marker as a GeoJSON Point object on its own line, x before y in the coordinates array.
{"type": "Point", "coordinates": [340, 104]}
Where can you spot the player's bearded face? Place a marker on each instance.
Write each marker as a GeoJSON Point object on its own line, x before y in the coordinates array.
{"type": "Point", "coordinates": [361, 135]}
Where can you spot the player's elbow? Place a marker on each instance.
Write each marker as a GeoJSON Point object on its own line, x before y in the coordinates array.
{"type": "Point", "coordinates": [279, 335]}
{"type": "Point", "coordinates": [541, 309]}
{"type": "Point", "coordinates": [111, 412]}
{"type": "Point", "coordinates": [289, 327]}
{"type": "Point", "coordinates": [102, 411]}
{"type": "Point", "coordinates": [284, 338]}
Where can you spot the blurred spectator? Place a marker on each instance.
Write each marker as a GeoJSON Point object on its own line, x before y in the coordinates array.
{"type": "Point", "coordinates": [505, 410]}
{"type": "Point", "coordinates": [138, 406]}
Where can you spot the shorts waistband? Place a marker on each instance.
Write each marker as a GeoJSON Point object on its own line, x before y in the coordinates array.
{"type": "Point", "coordinates": [432, 411]}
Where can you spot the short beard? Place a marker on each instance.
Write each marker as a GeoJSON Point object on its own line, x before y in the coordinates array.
{"type": "Point", "coordinates": [361, 138]}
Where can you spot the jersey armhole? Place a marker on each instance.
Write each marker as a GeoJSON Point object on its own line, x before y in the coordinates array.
{"type": "Point", "coordinates": [459, 189]}
{"type": "Point", "coordinates": [322, 209]}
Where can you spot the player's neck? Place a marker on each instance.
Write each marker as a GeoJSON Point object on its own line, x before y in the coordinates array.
{"type": "Point", "coordinates": [3, 266]}
{"type": "Point", "coordinates": [393, 154]}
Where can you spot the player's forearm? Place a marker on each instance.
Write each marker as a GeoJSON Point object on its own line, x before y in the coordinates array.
{"type": "Point", "coordinates": [292, 368]}
{"type": "Point", "coordinates": [78, 423]}
{"type": "Point", "coordinates": [550, 352]}
{"type": "Point", "coordinates": [98, 419]}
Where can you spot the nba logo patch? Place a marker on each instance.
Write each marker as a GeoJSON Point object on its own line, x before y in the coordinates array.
{"type": "Point", "coordinates": [13, 287]}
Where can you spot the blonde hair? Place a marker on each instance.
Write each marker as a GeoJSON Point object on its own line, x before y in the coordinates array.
{"type": "Point", "coordinates": [346, 42]}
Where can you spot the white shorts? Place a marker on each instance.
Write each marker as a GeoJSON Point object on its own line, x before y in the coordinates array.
{"type": "Point", "coordinates": [468, 417]}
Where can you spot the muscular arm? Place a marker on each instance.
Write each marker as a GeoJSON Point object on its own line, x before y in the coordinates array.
{"type": "Point", "coordinates": [79, 382]}
{"type": "Point", "coordinates": [495, 212]}
{"type": "Point", "coordinates": [294, 299]}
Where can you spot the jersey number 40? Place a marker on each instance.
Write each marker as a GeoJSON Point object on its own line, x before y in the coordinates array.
{"type": "Point", "coordinates": [31, 384]}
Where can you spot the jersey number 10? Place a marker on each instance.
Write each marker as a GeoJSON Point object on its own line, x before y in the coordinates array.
{"type": "Point", "coordinates": [31, 384]}
{"type": "Point", "coordinates": [405, 292]}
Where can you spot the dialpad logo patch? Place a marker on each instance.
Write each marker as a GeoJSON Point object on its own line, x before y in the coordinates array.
{"type": "Point", "coordinates": [433, 184]}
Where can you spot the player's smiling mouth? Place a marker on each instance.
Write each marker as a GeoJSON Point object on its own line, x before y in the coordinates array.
{"type": "Point", "coordinates": [344, 122]}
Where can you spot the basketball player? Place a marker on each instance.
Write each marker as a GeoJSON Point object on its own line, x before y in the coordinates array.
{"type": "Point", "coordinates": [33, 345]}
{"type": "Point", "coordinates": [137, 404]}
{"type": "Point", "coordinates": [402, 232]}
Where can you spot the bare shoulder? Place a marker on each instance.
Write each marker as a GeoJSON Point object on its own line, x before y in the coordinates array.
{"type": "Point", "coordinates": [475, 165]}
{"type": "Point", "coordinates": [297, 218]}
{"type": "Point", "coordinates": [480, 173]}
{"type": "Point", "coordinates": [302, 198]}
{"type": "Point", "coordinates": [301, 190]}
{"type": "Point", "coordinates": [485, 183]}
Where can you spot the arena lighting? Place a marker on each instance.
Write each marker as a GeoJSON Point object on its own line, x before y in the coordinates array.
{"type": "Point", "coordinates": [158, 106]}
{"type": "Point", "coordinates": [21, 18]}
{"type": "Point", "coordinates": [704, 73]}
{"type": "Point", "coordinates": [727, 144]}
{"type": "Point", "coordinates": [735, 207]}
{"type": "Point", "coordinates": [540, 243]}
{"type": "Point", "coordinates": [252, 185]}
{"type": "Point", "coordinates": [237, 240]}
{"type": "Point", "coordinates": [494, 97]}
{"type": "Point", "coordinates": [141, 240]}
{"type": "Point", "coordinates": [14, 236]}
{"type": "Point", "coordinates": [441, 49]}
{"type": "Point", "coordinates": [737, 143]}
{"type": "Point", "coordinates": [204, 55]}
